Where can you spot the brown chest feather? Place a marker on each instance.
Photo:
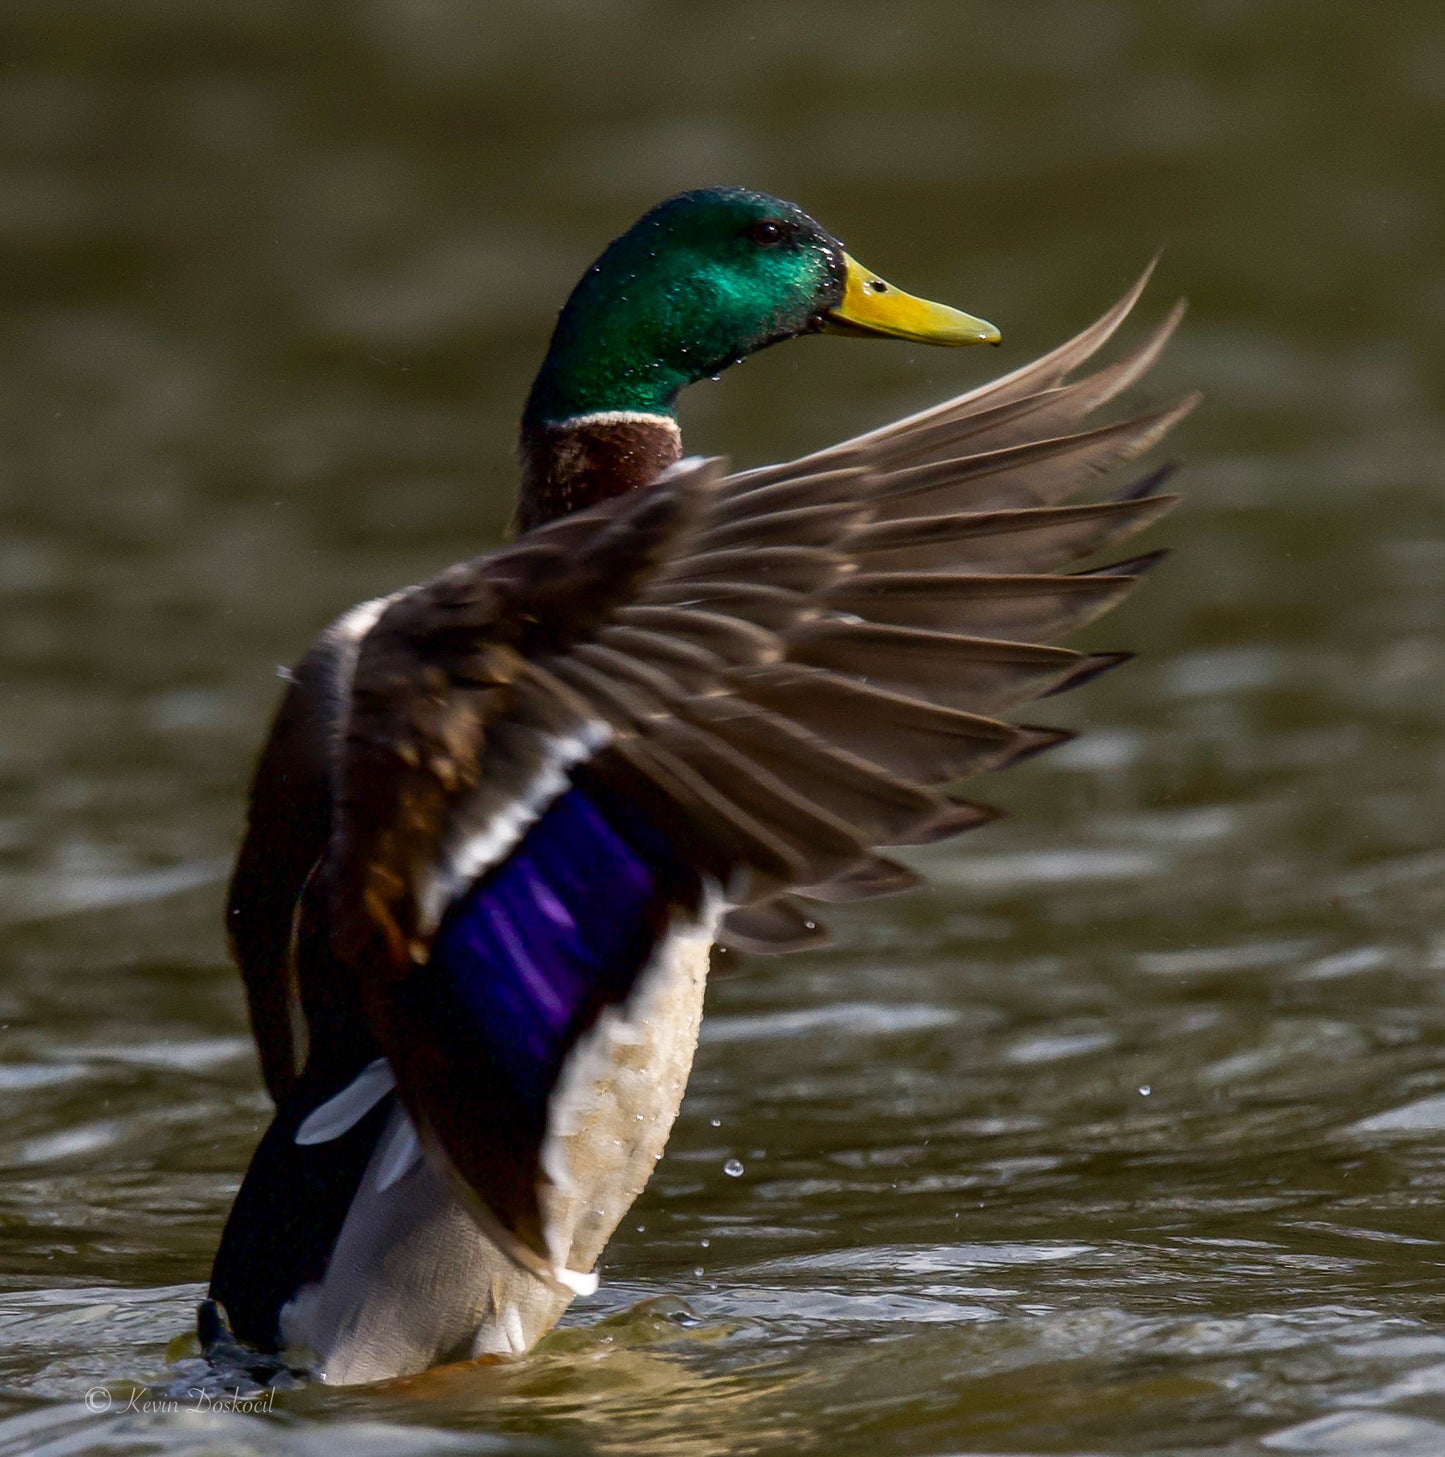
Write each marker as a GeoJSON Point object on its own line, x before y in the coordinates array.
{"type": "Point", "coordinates": [569, 466]}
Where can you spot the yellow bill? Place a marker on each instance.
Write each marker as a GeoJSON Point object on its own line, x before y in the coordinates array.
{"type": "Point", "coordinates": [871, 306]}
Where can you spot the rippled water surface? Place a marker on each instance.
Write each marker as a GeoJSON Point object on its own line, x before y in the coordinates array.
{"type": "Point", "coordinates": [1128, 1136]}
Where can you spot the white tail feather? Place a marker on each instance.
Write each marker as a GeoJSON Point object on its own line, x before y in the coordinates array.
{"type": "Point", "coordinates": [336, 1115]}
{"type": "Point", "coordinates": [399, 1153]}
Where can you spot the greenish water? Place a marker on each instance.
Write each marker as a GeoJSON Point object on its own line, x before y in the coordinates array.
{"type": "Point", "coordinates": [1126, 1137]}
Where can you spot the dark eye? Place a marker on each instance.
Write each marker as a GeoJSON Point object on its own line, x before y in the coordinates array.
{"type": "Point", "coordinates": [768, 232]}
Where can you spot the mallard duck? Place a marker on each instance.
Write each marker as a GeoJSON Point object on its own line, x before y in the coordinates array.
{"type": "Point", "coordinates": [504, 816]}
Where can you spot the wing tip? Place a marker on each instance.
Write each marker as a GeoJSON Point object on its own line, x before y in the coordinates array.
{"type": "Point", "coordinates": [1132, 567]}
{"type": "Point", "coordinates": [954, 817]}
{"type": "Point", "coordinates": [1095, 665]}
{"type": "Point", "coordinates": [1039, 739]}
{"type": "Point", "coordinates": [1150, 486]}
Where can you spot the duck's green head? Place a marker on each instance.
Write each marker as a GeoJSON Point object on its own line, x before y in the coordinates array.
{"type": "Point", "coordinates": [702, 281]}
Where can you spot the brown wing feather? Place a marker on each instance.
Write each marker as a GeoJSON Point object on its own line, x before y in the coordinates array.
{"type": "Point", "coordinates": [288, 828]}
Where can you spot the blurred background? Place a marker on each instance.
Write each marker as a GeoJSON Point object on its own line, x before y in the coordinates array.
{"type": "Point", "coordinates": [1129, 1134]}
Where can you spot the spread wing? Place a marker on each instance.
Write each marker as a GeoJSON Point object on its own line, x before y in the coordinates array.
{"type": "Point", "coordinates": [715, 699]}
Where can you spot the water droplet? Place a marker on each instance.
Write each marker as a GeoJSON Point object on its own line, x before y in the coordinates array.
{"type": "Point", "coordinates": [705, 1243]}
{"type": "Point", "coordinates": [733, 1168]}
{"type": "Point", "coordinates": [1145, 1090]}
{"type": "Point", "coordinates": [716, 1122]}
{"type": "Point", "coordinates": [642, 1229]}
{"type": "Point", "coordinates": [697, 1270]}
